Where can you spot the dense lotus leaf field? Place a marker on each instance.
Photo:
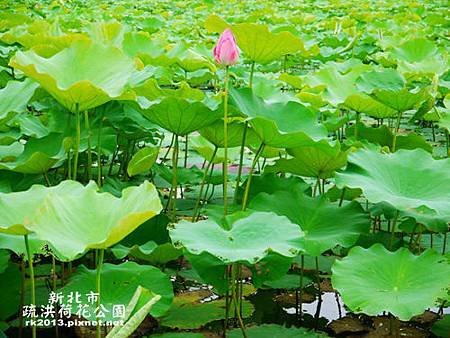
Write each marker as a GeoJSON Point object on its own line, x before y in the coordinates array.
{"type": "Point", "coordinates": [206, 168]}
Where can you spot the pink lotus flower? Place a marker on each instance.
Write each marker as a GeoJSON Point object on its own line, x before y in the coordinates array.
{"type": "Point", "coordinates": [226, 52]}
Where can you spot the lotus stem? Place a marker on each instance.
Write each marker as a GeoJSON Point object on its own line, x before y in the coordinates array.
{"type": "Point", "coordinates": [444, 245]}
{"type": "Point", "coordinates": [234, 298]}
{"type": "Point", "coordinates": [397, 127]}
{"type": "Point", "coordinates": [173, 194]}
{"type": "Point", "coordinates": [318, 274]}
{"type": "Point", "coordinates": [391, 241]}
{"type": "Point", "coordinates": [250, 174]}
{"type": "Point", "coordinates": [341, 199]}
{"type": "Point", "coordinates": [31, 271]}
{"type": "Point", "coordinates": [164, 158]}
{"type": "Point", "coordinates": [227, 301]}
{"type": "Point", "coordinates": [300, 296]}
{"type": "Point", "coordinates": [241, 162]}
{"type": "Point", "coordinates": [89, 152]}
{"type": "Point", "coordinates": [99, 153]}
{"type": "Point", "coordinates": [186, 144]}
{"type": "Point", "coordinates": [100, 256]}
{"type": "Point", "coordinates": [77, 141]}
{"type": "Point", "coordinates": [225, 142]}
{"type": "Point", "coordinates": [202, 185]}
{"type": "Point", "coordinates": [358, 119]}
{"type": "Point", "coordinates": [252, 70]}
{"type": "Point", "coordinates": [54, 278]}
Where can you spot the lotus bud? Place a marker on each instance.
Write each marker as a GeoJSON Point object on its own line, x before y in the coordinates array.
{"type": "Point", "coordinates": [226, 52]}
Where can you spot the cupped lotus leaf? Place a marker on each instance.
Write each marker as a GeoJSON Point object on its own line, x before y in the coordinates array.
{"type": "Point", "coordinates": [214, 133]}
{"type": "Point", "coordinates": [249, 239]}
{"type": "Point", "coordinates": [388, 79]}
{"type": "Point", "coordinates": [317, 159]}
{"type": "Point", "coordinates": [38, 156]}
{"type": "Point", "coordinates": [260, 45]}
{"type": "Point", "coordinates": [150, 252]}
{"type": "Point", "coordinates": [181, 116]}
{"type": "Point", "coordinates": [270, 183]}
{"type": "Point", "coordinates": [276, 331]}
{"type": "Point", "coordinates": [280, 125]}
{"type": "Point", "coordinates": [324, 224]}
{"type": "Point", "coordinates": [415, 50]}
{"type": "Point", "coordinates": [74, 218]}
{"type": "Point", "coordinates": [337, 86]}
{"type": "Point", "coordinates": [383, 136]}
{"type": "Point", "coordinates": [15, 96]}
{"type": "Point", "coordinates": [118, 285]}
{"type": "Point", "coordinates": [365, 104]}
{"type": "Point", "coordinates": [84, 75]}
{"type": "Point", "coordinates": [206, 149]}
{"type": "Point", "coordinates": [382, 178]}
{"type": "Point", "coordinates": [142, 161]}
{"type": "Point", "coordinates": [375, 280]}
{"type": "Point", "coordinates": [401, 100]}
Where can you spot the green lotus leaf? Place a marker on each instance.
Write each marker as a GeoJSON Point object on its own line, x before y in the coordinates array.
{"type": "Point", "coordinates": [271, 183]}
{"type": "Point", "coordinates": [276, 331]}
{"type": "Point", "coordinates": [38, 156]}
{"type": "Point", "coordinates": [17, 245]}
{"type": "Point", "coordinates": [91, 219]}
{"type": "Point", "coordinates": [10, 280]}
{"type": "Point", "coordinates": [419, 55]}
{"type": "Point", "coordinates": [249, 239]}
{"type": "Point", "coordinates": [85, 74]}
{"type": "Point", "coordinates": [317, 159]}
{"type": "Point", "coordinates": [375, 280]}
{"type": "Point", "coordinates": [441, 328]}
{"type": "Point", "coordinates": [4, 260]}
{"type": "Point", "coordinates": [400, 100]}
{"type": "Point", "coordinates": [150, 252]}
{"type": "Point", "coordinates": [388, 79]}
{"type": "Point", "coordinates": [324, 224]}
{"type": "Point", "coordinates": [181, 116]}
{"type": "Point", "coordinates": [108, 220]}
{"type": "Point", "coordinates": [214, 134]}
{"type": "Point", "coordinates": [142, 161]}
{"type": "Point", "coordinates": [288, 282]}
{"type": "Point", "coordinates": [383, 136]}
{"type": "Point", "coordinates": [365, 104]}
{"type": "Point", "coordinates": [17, 209]}
{"type": "Point", "coordinates": [15, 96]}
{"type": "Point", "coordinates": [206, 150]}
{"type": "Point", "coordinates": [280, 125]}
{"type": "Point", "coordinates": [262, 46]}
{"type": "Point", "coordinates": [187, 313]}
{"type": "Point", "coordinates": [118, 285]}
{"type": "Point", "coordinates": [382, 179]}
{"type": "Point", "coordinates": [337, 86]}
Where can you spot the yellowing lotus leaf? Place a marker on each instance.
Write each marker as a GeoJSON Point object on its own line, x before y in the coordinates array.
{"type": "Point", "coordinates": [85, 74]}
